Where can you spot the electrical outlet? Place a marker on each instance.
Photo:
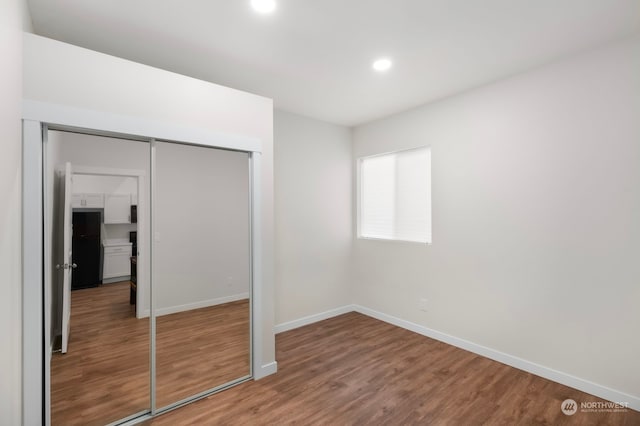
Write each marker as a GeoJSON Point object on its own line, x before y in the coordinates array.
{"type": "Point", "coordinates": [229, 281]}
{"type": "Point", "coordinates": [422, 304]}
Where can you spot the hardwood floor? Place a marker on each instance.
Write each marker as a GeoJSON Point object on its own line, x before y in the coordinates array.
{"type": "Point", "coordinates": [199, 349]}
{"type": "Point", "coordinates": [355, 370]}
{"type": "Point", "coordinates": [105, 374]}
{"type": "Point", "coordinates": [348, 370]}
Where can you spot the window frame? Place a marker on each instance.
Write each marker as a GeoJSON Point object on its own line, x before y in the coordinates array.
{"type": "Point", "coordinates": [359, 195]}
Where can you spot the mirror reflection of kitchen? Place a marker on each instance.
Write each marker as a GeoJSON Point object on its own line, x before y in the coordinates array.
{"type": "Point", "coordinates": [98, 303]}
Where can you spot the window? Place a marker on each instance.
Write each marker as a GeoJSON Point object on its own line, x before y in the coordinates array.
{"type": "Point", "coordinates": [395, 196]}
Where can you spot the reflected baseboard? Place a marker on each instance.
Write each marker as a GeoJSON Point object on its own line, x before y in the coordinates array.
{"type": "Point", "coordinates": [197, 305]}
{"type": "Point", "coordinates": [116, 279]}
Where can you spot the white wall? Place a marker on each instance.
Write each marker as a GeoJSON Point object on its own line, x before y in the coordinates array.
{"type": "Point", "coordinates": [82, 78]}
{"type": "Point", "coordinates": [536, 207]}
{"type": "Point", "coordinates": [14, 16]}
{"type": "Point", "coordinates": [202, 227]}
{"type": "Point", "coordinates": [313, 216]}
{"type": "Point", "coordinates": [99, 152]}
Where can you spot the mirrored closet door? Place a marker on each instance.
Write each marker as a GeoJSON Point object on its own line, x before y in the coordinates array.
{"type": "Point", "coordinates": [148, 275]}
{"type": "Point", "coordinates": [201, 269]}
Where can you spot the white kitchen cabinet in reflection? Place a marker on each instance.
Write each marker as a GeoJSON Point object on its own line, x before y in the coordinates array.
{"type": "Point", "coordinates": [117, 208]}
{"type": "Point", "coordinates": [117, 262]}
{"type": "Point", "coordinates": [87, 201]}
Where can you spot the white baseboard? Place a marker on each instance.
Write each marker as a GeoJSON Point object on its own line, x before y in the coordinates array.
{"type": "Point", "coordinates": [583, 385]}
{"type": "Point", "coordinates": [197, 305]}
{"type": "Point", "coordinates": [290, 325]}
{"type": "Point", "coordinates": [112, 280]}
{"type": "Point", "coordinates": [513, 361]}
{"type": "Point", "coordinates": [266, 370]}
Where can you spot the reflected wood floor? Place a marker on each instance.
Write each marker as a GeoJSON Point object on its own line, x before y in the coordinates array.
{"type": "Point", "coordinates": [104, 376]}
{"type": "Point", "coordinates": [199, 349]}
{"type": "Point", "coordinates": [355, 370]}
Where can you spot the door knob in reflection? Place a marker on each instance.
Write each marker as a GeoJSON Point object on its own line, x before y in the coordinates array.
{"type": "Point", "coordinates": [66, 266]}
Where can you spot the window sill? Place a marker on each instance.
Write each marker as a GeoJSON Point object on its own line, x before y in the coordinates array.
{"type": "Point", "coordinates": [395, 240]}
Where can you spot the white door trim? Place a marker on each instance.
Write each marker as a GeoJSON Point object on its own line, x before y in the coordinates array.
{"type": "Point", "coordinates": [33, 388]}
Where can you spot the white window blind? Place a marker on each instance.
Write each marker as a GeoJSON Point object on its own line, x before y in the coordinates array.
{"type": "Point", "coordinates": [395, 196]}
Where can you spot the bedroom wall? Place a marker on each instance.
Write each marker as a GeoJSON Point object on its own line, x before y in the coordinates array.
{"type": "Point", "coordinates": [535, 218]}
{"type": "Point", "coordinates": [202, 227]}
{"type": "Point", "coordinates": [313, 217]}
{"type": "Point", "coordinates": [14, 18]}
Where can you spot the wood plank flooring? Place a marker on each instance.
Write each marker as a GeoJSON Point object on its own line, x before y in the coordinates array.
{"type": "Point", "coordinates": [199, 349]}
{"type": "Point", "coordinates": [105, 374]}
{"type": "Point", "coordinates": [355, 370]}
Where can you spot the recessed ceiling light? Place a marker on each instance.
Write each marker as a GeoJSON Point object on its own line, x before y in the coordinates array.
{"type": "Point", "coordinates": [382, 64]}
{"type": "Point", "coordinates": [263, 6]}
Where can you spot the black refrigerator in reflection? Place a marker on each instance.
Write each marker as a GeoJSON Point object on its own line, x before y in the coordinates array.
{"type": "Point", "coordinates": [86, 250]}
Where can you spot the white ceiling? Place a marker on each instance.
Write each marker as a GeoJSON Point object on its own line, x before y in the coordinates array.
{"type": "Point", "coordinates": [313, 57]}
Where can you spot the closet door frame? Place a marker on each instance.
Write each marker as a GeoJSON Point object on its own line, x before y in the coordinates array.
{"type": "Point", "coordinates": [37, 119]}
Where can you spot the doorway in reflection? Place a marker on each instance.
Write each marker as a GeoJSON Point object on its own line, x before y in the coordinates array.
{"type": "Point", "coordinates": [99, 336]}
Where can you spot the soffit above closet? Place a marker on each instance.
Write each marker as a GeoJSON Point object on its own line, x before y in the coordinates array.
{"type": "Point", "coordinates": [314, 57]}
